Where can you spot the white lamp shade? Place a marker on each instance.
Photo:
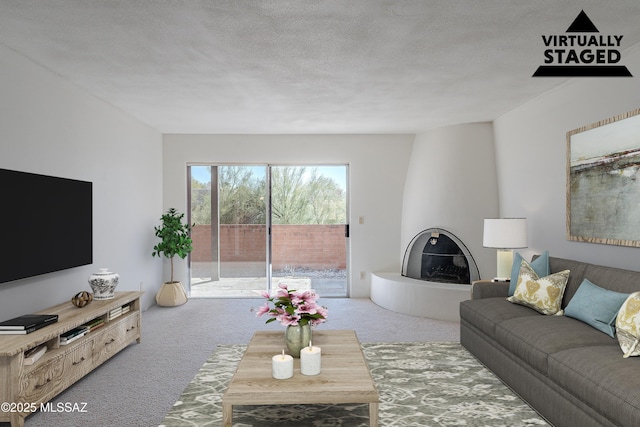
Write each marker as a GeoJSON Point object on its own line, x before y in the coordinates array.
{"type": "Point", "coordinates": [505, 233]}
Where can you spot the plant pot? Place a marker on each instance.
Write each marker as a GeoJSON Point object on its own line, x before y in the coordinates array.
{"type": "Point", "coordinates": [103, 284]}
{"type": "Point", "coordinates": [171, 294]}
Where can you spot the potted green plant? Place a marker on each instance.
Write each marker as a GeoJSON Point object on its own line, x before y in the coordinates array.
{"type": "Point", "coordinates": [174, 240]}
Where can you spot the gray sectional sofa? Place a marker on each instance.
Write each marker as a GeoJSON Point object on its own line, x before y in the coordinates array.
{"type": "Point", "coordinates": [570, 372]}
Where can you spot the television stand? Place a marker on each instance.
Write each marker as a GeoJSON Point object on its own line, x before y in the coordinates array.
{"type": "Point", "coordinates": [26, 387]}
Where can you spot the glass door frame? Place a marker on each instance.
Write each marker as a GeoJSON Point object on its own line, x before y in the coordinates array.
{"type": "Point", "coordinates": [215, 243]}
{"type": "Point", "coordinates": [347, 243]}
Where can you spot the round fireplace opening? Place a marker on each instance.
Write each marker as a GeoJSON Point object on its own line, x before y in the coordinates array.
{"type": "Point", "coordinates": [437, 255]}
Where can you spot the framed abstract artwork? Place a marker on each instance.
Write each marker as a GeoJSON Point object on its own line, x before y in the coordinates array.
{"type": "Point", "coordinates": [603, 181]}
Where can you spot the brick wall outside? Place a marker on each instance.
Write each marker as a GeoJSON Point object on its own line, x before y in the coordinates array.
{"type": "Point", "coordinates": [314, 246]}
{"type": "Point", "coordinates": [201, 236]}
{"type": "Point", "coordinates": [238, 242]}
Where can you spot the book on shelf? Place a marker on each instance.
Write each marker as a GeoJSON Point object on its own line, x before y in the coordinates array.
{"type": "Point", "coordinates": [69, 340]}
{"type": "Point", "coordinates": [79, 331]}
{"type": "Point", "coordinates": [99, 325]}
{"type": "Point", "coordinates": [28, 321]}
{"type": "Point", "coordinates": [116, 312]}
{"type": "Point", "coordinates": [23, 331]}
{"type": "Point", "coordinates": [32, 356]}
{"type": "Point", "coordinates": [94, 324]}
{"type": "Point", "coordinates": [72, 335]}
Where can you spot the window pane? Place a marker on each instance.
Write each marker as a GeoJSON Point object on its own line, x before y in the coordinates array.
{"type": "Point", "coordinates": [309, 211]}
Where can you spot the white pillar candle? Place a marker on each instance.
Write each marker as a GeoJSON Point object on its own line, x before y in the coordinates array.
{"type": "Point", "coordinates": [310, 360]}
{"type": "Point", "coordinates": [282, 366]}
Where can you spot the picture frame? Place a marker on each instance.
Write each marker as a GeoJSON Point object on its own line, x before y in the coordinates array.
{"type": "Point", "coordinates": [603, 181]}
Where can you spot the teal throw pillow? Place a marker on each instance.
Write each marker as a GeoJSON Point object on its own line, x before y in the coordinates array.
{"type": "Point", "coordinates": [540, 265]}
{"type": "Point", "coordinates": [596, 306]}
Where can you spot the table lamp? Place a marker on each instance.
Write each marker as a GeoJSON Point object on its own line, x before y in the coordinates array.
{"type": "Point", "coordinates": [504, 234]}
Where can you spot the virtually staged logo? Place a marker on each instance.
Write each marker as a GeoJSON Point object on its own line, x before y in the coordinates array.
{"type": "Point", "coordinates": [581, 53]}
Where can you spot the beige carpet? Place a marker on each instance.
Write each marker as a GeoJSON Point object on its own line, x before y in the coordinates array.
{"type": "Point", "coordinates": [139, 386]}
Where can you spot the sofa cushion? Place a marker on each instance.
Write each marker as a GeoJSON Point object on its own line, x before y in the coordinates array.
{"type": "Point", "coordinates": [577, 269]}
{"type": "Point", "coordinates": [534, 338]}
{"type": "Point", "coordinates": [486, 313]}
{"type": "Point", "coordinates": [596, 306]}
{"type": "Point", "coordinates": [540, 265]}
{"type": "Point", "coordinates": [601, 378]}
{"type": "Point", "coordinates": [543, 294]}
{"type": "Point", "coordinates": [615, 279]}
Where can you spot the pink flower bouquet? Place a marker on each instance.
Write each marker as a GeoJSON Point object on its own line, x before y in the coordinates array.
{"type": "Point", "coordinates": [292, 308]}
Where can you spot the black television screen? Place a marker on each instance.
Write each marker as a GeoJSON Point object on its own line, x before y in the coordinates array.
{"type": "Point", "coordinates": [47, 224]}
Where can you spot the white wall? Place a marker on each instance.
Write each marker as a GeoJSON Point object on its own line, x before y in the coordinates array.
{"type": "Point", "coordinates": [377, 165]}
{"type": "Point", "coordinates": [50, 127]}
{"type": "Point", "coordinates": [451, 184]}
{"type": "Point", "coordinates": [531, 159]}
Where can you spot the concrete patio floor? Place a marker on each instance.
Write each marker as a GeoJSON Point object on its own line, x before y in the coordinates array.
{"type": "Point", "coordinates": [248, 280]}
{"type": "Point", "coordinates": [252, 287]}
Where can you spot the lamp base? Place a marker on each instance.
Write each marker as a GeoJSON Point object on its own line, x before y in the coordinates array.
{"type": "Point", "coordinates": [505, 262]}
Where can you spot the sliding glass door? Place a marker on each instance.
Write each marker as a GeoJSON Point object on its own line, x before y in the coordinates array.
{"type": "Point", "coordinates": [309, 228]}
{"type": "Point", "coordinates": [259, 226]}
{"type": "Point", "coordinates": [228, 206]}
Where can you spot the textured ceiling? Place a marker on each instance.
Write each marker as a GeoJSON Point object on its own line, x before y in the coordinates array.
{"type": "Point", "coordinates": [295, 66]}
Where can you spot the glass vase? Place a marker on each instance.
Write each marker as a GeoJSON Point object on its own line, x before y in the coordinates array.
{"type": "Point", "coordinates": [297, 337]}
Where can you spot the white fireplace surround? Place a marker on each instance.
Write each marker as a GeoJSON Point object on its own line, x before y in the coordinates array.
{"type": "Point", "coordinates": [417, 297]}
{"type": "Point", "coordinates": [450, 184]}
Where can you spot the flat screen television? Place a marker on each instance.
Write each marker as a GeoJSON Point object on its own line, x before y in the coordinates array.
{"type": "Point", "coordinates": [46, 223]}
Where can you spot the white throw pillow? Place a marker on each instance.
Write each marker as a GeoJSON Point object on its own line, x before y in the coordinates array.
{"type": "Point", "coordinates": [628, 325]}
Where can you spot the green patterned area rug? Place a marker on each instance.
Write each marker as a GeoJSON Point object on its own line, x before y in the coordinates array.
{"type": "Point", "coordinates": [420, 384]}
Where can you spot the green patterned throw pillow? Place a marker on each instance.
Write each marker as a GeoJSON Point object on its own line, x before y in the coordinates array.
{"type": "Point", "coordinates": [543, 294]}
{"type": "Point", "coordinates": [628, 325]}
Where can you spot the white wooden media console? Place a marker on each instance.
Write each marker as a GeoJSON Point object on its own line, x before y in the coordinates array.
{"type": "Point", "coordinates": [23, 388]}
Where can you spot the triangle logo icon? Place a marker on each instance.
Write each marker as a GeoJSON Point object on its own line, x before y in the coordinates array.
{"type": "Point", "coordinates": [582, 24]}
{"type": "Point", "coordinates": [571, 62]}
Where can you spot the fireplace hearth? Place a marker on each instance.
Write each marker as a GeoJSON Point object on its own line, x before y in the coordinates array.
{"type": "Point", "coordinates": [436, 255]}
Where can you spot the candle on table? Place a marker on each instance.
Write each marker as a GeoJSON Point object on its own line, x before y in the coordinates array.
{"type": "Point", "coordinates": [310, 360]}
{"type": "Point", "coordinates": [282, 366]}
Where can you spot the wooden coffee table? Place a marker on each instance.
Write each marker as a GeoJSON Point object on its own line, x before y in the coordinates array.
{"type": "Point", "coordinates": [345, 377]}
